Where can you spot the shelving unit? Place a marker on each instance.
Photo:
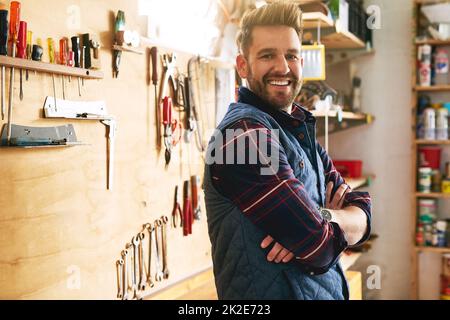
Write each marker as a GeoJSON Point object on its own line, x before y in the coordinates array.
{"type": "Point", "coordinates": [331, 37]}
{"type": "Point", "coordinates": [349, 120]}
{"type": "Point", "coordinates": [416, 89]}
{"type": "Point", "coordinates": [51, 68]}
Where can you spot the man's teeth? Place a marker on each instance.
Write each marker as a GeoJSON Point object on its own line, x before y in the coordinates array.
{"type": "Point", "coordinates": [279, 82]}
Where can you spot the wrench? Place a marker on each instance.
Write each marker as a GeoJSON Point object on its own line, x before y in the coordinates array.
{"type": "Point", "coordinates": [164, 220]}
{"type": "Point", "coordinates": [119, 266]}
{"type": "Point", "coordinates": [112, 127]}
{"type": "Point", "coordinates": [150, 230]}
{"type": "Point", "coordinates": [125, 275]}
{"type": "Point", "coordinates": [135, 241]}
{"type": "Point", "coordinates": [129, 248]}
{"type": "Point", "coordinates": [142, 276]}
{"type": "Point", "coordinates": [159, 273]}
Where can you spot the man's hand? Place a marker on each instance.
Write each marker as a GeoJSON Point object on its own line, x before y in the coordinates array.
{"type": "Point", "coordinates": [278, 253]}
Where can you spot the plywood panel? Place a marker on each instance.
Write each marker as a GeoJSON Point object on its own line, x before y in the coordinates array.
{"type": "Point", "coordinates": [59, 226]}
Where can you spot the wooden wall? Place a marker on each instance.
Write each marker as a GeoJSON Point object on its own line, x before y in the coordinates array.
{"type": "Point", "coordinates": [58, 223]}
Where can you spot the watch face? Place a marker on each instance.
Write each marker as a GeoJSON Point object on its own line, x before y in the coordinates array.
{"type": "Point", "coordinates": [326, 214]}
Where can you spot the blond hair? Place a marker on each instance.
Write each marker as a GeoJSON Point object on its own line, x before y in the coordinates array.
{"type": "Point", "coordinates": [280, 13]}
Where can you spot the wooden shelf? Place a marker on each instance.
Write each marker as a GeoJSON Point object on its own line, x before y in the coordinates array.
{"type": "Point", "coordinates": [49, 68]}
{"type": "Point", "coordinates": [331, 37]}
{"type": "Point", "coordinates": [432, 88]}
{"type": "Point", "coordinates": [128, 49]}
{"type": "Point", "coordinates": [345, 115]}
{"type": "Point", "coordinates": [348, 259]}
{"type": "Point", "coordinates": [435, 142]}
{"type": "Point", "coordinates": [356, 183]}
{"type": "Point", "coordinates": [432, 249]}
{"type": "Point", "coordinates": [312, 20]}
{"type": "Point", "coordinates": [433, 195]}
{"type": "Point", "coordinates": [433, 42]}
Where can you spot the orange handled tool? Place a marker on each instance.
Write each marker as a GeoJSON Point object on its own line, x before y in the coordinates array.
{"type": "Point", "coordinates": [22, 50]}
{"type": "Point", "coordinates": [14, 21]}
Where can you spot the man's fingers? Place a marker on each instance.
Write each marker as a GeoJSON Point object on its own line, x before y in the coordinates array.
{"type": "Point", "coordinates": [281, 255]}
{"type": "Point", "coordinates": [328, 194]}
{"type": "Point", "coordinates": [288, 257]}
{"type": "Point", "coordinates": [266, 242]}
{"type": "Point", "coordinates": [341, 202]}
{"type": "Point", "coordinates": [274, 251]}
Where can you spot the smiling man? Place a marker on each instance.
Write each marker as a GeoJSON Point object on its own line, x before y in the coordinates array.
{"type": "Point", "coordinates": [277, 235]}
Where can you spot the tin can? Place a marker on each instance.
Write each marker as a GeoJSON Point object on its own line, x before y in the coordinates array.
{"type": "Point", "coordinates": [436, 181]}
{"type": "Point", "coordinates": [424, 180]}
{"type": "Point", "coordinates": [427, 210]}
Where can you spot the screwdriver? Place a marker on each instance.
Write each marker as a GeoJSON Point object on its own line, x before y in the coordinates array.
{"type": "Point", "coordinates": [51, 57]}
{"type": "Point", "coordinates": [21, 49]}
{"type": "Point", "coordinates": [14, 20]}
{"type": "Point", "coordinates": [3, 51]}
{"type": "Point", "coordinates": [76, 57]}
{"type": "Point", "coordinates": [154, 58]}
{"type": "Point", "coordinates": [29, 49]}
{"type": "Point", "coordinates": [63, 60]}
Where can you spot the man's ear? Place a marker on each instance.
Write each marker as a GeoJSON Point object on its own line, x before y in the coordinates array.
{"type": "Point", "coordinates": [242, 66]}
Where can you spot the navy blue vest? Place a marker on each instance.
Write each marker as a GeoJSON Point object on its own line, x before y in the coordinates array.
{"type": "Point", "coordinates": [241, 269]}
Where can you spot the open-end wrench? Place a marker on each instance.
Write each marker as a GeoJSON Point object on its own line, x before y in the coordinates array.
{"type": "Point", "coordinates": [135, 241]}
{"type": "Point", "coordinates": [150, 230]}
{"type": "Point", "coordinates": [119, 266]}
{"type": "Point", "coordinates": [129, 282]}
{"type": "Point", "coordinates": [125, 275]}
{"type": "Point", "coordinates": [164, 221]}
{"type": "Point", "coordinates": [159, 273]}
{"type": "Point", "coordinates": [142, 276]}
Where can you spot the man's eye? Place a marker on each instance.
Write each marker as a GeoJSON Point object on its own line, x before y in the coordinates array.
{"type": "Point", "coordinates": [292, 57]}
{"type": "Point", "coordinates": [267, 56]}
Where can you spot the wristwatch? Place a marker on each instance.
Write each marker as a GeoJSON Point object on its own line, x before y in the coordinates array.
{"type": "Point", "coordinates": [326, 214]}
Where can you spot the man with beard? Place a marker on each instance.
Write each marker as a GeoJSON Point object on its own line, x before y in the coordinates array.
{"type": "Point", "coordinates": [271, 236]}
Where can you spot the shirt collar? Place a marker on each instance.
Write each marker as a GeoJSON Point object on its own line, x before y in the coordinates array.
{"type": "Point", "coordinates": [297, 116]}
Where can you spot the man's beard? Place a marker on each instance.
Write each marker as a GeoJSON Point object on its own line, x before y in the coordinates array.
{"type": "Point", "coordinates": [260, 88]}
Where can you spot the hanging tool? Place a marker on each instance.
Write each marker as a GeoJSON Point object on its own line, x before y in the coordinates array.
{"type": "Point", "coordinates": [193, 107]}
{"type": "Point", "coordinates": [13, 31]}
{"type": "Point", "coordinates": [195, 185]}
{"type": "Point", "coordinates": [176, 210]}
{"type": "Point", "coordinates": [170, 128]}
{"type": "Point", "coordinates": [51, 57]}
{"type": "Point", "coordinates": [22, 50]}
{"type": "Point", "coordinates": [76, 57]}
{"type": "Point", "coordinates": [29, 50]}
{"type": "Point", "coordinates": [119, 26]}
{"type": "Point", "coordinates": [188, 217]}
{"type": "Point", "coordinates": [154, 60]}
{"type": "Point", "coordinates": [165, 266]}
{"type": "Point", "coordinates": [3, 52]}
{"type": "Point", "coordinates": [112, 126]}
{"type": "Point", "coordinates": [63, 44]}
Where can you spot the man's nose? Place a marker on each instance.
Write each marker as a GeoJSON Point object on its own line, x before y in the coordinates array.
{"type": "Point", "coordinates": [281, 65]}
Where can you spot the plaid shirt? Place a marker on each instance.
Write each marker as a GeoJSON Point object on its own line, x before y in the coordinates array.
{"type": "Point", "coordinates": [279, 204]}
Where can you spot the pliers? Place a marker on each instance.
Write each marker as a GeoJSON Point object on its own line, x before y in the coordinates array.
{"type": "Point", "coordinates": [176, 210]}
{"type": "Point", "coordinates": [170, 127]}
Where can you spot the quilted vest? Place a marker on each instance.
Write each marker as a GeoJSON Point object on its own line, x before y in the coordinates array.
{"type": "Point", "coordinates": [240, 266]}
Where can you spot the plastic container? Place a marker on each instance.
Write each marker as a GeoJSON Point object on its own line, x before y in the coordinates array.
{"type": "Point", "coordinates": [429, 124]}
{"type": "Point", "coordinates": [424, 181]}
{"type": "Point", "coordinates": [349, 168]}
{"type": "Point", "coordinates": [442, 124]}
{"type": "Point", "coordinates": [424, 59]}
{"type": "Point", "coordinates": [430, 157]}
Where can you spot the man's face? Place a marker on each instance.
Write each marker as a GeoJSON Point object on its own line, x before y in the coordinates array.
{"type": "Point", "coordinates": [273, 66]}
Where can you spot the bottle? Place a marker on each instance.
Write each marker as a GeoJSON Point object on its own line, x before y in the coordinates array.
{"type": "Point", "coordinates": [445, 185]}
{"type": "Point", "coordinates": [442, 124]}
{"type": "Point", "coordinates": [441, 66]}
{"type": "Point", "coordinates": [429, 124]}
{"type": "Point", "coordinates": [424, 59]}
{"type": "Point", "coordinates": [356, 96]}
{"type": "Point", "coordinates": [424, 180]}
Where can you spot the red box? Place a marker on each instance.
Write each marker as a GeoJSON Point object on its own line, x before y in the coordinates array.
{"type": "Point", "coordinates": [349, 168]}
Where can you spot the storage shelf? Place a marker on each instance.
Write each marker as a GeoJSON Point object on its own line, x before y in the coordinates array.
{"type": "Point", "coordinates": [349, 120]}
{"type": "Point", "coordinates": [59, 69]}
{"type": "Point", "coordinates": [128, 49]}
{"type": "Point", "coordinates": [433, 42]}
{"type": "Point", "coordinates": [432, 249]}
{"type": "Point", "coordinates": [345, 115]}
{"type": "Point", "coordinates": [356, 183]}
{"type": "Point", "coordinates": [331, 37]}
{"type": "Point", "coordinates": [435, 142]}
{"type": "Point", "coordinates": [432, 88]}
{"type": "Point", "coordinates": [432, 195]}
